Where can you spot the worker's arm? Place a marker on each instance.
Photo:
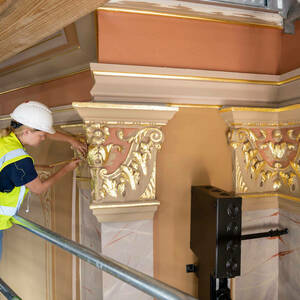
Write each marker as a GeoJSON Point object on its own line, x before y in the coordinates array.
{"type": "Point", "coordinates": [38, 187]}
{"type": "Point", "coordinates": [58, 136]}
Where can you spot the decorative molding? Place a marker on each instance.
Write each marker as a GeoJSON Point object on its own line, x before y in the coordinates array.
{"type": "Point", "coordinates": [151, 188]}
{"type": "Point", "coordinates": [185, 16]}
{"type": "Point", "coordinates": [47, 199]}
{"type": "Point", "coordinates": [44, 81]}
{"type": "Point", "coordinates": [259, 201]}
{"type": "Point", "coordinates": [250, 117]}
{"type": "Point", "coordinates": [187, 87]}
{"type": "Point", "coordinates": [193, 87]}
{"type": "Point", "coordinates": [266, 148]}
{"type": "Point", "coordinates": [197, 11]}
{"type": "Point", "coordinates": [270, 195]}
{"type": "Point", "coordinates": [194, 78]}
{"type": "Point", "coordinates": [130, 114]}
{"type": "Point", "coordinates": [123, 140]}
{"type": "Point", "coordinates": [134, 175]}
{"type": "Point", "coordinates": [269, 159]}
{"type": "Point", "coordinates": [240, 185]}
{"type": "Point", "coordinates": [227, 78]}
{"type": "Point", "coordinates": [261, 109]}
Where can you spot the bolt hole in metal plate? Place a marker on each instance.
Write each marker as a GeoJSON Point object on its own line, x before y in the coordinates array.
{"type": "Point", "coordinates": [224, 194]}
{"type": "Point", "coordinates": [208, 187]}
{"type": "Point", "coordinates": [233, 211]}
{"type": "Point", "coordinates": [215, 190]}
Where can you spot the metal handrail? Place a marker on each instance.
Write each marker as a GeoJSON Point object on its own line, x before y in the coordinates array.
{"type": "Point", "coordinates": [7, 291]}
{"type": "Point", "coordinates": [137, 279]}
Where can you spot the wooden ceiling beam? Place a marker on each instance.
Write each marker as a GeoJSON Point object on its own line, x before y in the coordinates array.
{"type": "Point", "coordinates": [23, 23]}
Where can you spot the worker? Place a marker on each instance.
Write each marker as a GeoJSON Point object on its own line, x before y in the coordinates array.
{"type": "Point", "coordinates": [31, 124]}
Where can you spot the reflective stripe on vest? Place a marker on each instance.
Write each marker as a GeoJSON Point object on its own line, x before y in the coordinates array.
{"type": "Point", "coordinates": [11, 211]}
{"type": "Point", "coordinates": [11, 155]}
{"type": "Point", "coordinates": [8, 210]}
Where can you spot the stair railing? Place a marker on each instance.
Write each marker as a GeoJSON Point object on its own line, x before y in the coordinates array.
{"type": "Point", "coordinates": [137, 279]}
{"type": "Point", "coordinates": [7, 291]}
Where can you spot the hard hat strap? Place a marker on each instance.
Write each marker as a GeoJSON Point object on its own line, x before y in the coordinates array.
{"type": "Point", "coordinates": [14, 124]}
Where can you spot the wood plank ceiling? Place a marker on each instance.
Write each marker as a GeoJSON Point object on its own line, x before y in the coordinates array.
{"type": "Point", "coordinates": [23, 23]}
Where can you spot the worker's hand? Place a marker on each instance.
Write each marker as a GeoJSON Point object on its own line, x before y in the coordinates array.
{"type": "Point", "coordinates": [72, 165]}
{"type": "Point", "coordinates": [81, 147]}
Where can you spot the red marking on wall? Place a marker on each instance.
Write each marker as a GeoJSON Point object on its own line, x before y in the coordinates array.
{"type": "Point", "coordinates": [89, 290]}
{"type": "Point", "coordinates": [119, 232]}
{"type": "Point", "coordinates": [116, 240]}
{"type": "Point", "coordinates": [281, 254]}
{"type": "Point", "coordinates": [263, 217]}
{"type": "Point", "coordinates": [276, 237]}
{"type": "Point", "coordinates": [275, 214]}
{"type": "Point", "coordinates": [98, 232]}
{"type": "Point", "coordinates": [297, 222]}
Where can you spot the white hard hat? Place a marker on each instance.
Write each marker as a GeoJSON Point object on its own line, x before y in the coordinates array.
{"type": "Point", "coordinates": [35, 115]}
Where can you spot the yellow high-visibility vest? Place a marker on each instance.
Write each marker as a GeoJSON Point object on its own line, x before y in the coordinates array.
{"type": "Point", "coordinates": [11, 150]}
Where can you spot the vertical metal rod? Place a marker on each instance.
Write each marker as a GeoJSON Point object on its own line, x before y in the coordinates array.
{"type": "Point", "coordinates": [8, 292]}
{"type": "Point", "coordinates": [131, 276]}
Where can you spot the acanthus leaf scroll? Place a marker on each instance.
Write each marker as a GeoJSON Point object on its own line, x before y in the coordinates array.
{"type": "Point", "coordinates": [133, 178]}
{"type": "Point", "coordinates": [268, 159]}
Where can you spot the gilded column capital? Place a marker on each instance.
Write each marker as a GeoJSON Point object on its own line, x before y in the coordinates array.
{"type": "Point", "coordinates": [265, 144]}
{"type": "Point", "coordinates": [123, 141]}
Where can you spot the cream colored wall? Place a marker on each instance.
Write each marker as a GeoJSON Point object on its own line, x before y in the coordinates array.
{"type": "Point", "coordinates": [195, 152]}
{"type": "Point", "coordinates": [62, 222]}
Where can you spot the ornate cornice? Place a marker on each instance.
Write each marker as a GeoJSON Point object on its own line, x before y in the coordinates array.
{"type": "Point", "coordinates": [125, 114]}
{"type": "Point", "coordinates": [123, 140]}
{"type": "Point", "coordinates": [249, 117]}
{"type": "Point", "coordinates": [266, 150]}
{"type": "Point", "coordinates": [197, 11]}
{"type": "Point", "coordinates": [266, 160]}
{"type": "Point", "coordinates": [188, 86]}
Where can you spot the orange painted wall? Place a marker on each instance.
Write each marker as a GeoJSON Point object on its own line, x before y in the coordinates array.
{"type": "Point", "coordinates": [134, 39]}
{"type": "Point", "coordinates": [57, 92]}
{"type": "Point", "coordinates": [290, 58]}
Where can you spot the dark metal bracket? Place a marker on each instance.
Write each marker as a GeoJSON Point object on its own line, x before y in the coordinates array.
{"type": "Point", "coordinates": [192, 268]}
{"type": "Point", "coordinates": [271, 233]}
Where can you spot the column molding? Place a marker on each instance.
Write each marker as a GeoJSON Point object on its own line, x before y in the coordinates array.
{"type": "Point", "coordinates": [123, 142]}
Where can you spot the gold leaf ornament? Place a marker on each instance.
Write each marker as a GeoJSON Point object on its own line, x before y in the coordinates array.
{"type": "Point", "coordinates": [137, 165]}
{"type": "Point", "coordinates": [244, 142]}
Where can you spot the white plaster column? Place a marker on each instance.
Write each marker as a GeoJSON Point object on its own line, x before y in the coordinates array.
{"type": "Point", "coordinates": [123, 141]}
